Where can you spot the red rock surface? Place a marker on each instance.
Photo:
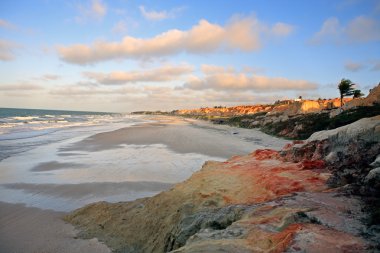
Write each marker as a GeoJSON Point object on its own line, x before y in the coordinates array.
{"type": "Point", "coordinates": [257, 178]}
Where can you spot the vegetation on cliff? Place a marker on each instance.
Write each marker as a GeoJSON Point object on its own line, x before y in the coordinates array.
{"type": "Point", "coordinates": [293, 119]}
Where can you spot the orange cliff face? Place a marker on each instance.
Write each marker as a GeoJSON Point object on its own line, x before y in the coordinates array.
{"type": "Point", "coordinates": [227, 111]}
{"type": "Point", "coordinates": [288, 107]}
{"type": "Point", "coordinates": [258, 177]}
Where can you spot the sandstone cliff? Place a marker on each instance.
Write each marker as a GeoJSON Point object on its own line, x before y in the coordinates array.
{"type": "Point", "coordinates": [298, 120]}
{"type": "Point", "coordinates": [267, 201]}
{"type": "Point", "coordinates": [287, 107]}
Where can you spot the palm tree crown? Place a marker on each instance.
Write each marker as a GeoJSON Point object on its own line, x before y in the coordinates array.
{"type": "Point", "coordinates": [346, 88]}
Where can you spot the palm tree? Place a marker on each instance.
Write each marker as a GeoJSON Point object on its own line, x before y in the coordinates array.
{"type": "Point", "coordinates": [346, 89]}
{"type": "Point", "coordinates": [358, 93]}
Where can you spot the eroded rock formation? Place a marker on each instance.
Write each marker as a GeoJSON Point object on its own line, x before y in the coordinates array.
{"type": "Point", "coordinates": [287, 107]}
{"type": "Point", "coordinates": [267, 201]}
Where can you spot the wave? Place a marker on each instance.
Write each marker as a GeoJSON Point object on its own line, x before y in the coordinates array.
{"type": "Point", "coordinates": [27, 126]}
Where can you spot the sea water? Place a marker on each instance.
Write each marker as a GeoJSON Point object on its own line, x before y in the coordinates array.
{"type": "Point", "coordinates": [36, 170]}
{"type": "Point", "coordinates": [24, 129]}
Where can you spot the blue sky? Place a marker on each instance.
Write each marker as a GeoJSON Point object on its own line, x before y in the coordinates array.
{"type": "Point", "coordinates": [125, 55]}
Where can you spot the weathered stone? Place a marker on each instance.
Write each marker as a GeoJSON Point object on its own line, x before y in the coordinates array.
{"type": "Point", "coordinates": [376, 163]}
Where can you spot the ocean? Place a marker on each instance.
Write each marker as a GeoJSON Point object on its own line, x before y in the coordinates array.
{"type": "Point", "coordinates": [63, 160]}
{"type": "Point", "coordinates": [41, 164]}
{"type": "Point", "coordinates": [24, 129]}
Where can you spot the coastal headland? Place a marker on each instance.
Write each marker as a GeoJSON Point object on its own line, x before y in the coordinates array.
{"type": "Point", "coordinates": [292, 119]}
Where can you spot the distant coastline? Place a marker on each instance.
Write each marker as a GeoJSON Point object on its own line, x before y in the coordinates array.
{"type": "Point", "coordinates": [291, 119]}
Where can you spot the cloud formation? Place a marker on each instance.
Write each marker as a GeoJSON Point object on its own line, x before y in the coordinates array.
{"type": "Point", "coordinates": [359, 30]}
{"type": "Point", "coordinates": [241, 33]}
{"type": "Point", "coordinates": [20, 87]}
{"type": "Point", "coordinates": [353, 66]}
{"type": "Point", "coordinates": [363, 29]}
{"type": "Point", "coordinates": [376, 66]}
{"type": "Point", "coordinates": [48, 77]}
{"type": "Point", "coordinates": [282, 29]}
{"type": "Point", "coordinates": [217, 79]}
{"type": "Point", "coordinates": [153, 15]}
{"type": "Point", "coordinates": [95, 10]}
{"type": "Point", "coordinates": [372, 65]}
{"type": "Point", "coordinates": [158, 97]}
{"type": "Point", "coordinates": [330, 30]}
{"type": "Point", "coordinates": [7, 50]}
{"type": "Point", "coordinates": [76, 91]}
{"type": "Point", "coordinates": [162, 74]}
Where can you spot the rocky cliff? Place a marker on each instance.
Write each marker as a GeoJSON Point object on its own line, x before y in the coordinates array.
{"type": "Point", "coordinates": [311, 196]}
{"type": "Point", "coordinates": [287, 107]}
{"type": "Point", "coordinates": [372, 98]}
{"type": "Point", "coordinates": [299, 120]}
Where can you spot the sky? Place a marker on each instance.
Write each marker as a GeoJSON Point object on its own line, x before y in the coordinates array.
{"type": "Point", "coordinates": [124, 55]}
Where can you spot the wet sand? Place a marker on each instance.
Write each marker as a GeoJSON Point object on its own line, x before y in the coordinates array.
{"type": "Point", "coordinates": [183, 136]}
{"type": "Point", "coordinates": [27, 229]}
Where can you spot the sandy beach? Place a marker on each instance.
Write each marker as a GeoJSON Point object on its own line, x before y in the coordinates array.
{"type": "Point", "coordinates": [28, 229]}
{"type": "Point", "coordinates": [182, 136]}
{"type": "Point", "coordinates": [38, 187]}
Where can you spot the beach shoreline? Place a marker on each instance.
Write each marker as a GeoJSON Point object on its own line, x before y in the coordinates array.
{"type": "Point", "coordinates": [294, 199]}
{"type": "Point", "coordinates": [184, 137]}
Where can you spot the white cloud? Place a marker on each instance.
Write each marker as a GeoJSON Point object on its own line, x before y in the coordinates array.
{"type": "Point", "coordinates": [48, 77]}
{"type": "Point", "coordinates": [51, 77]}
{"type": "Point", "coordinates": [7, 50]}
{"type": "Point", "coordinates": [159, 15]}
{"type": "Point", "coordinates": [242, 34]}
{"type": "Point", "coordinates": [363, 29]}
{"type": "Point", "coordinates": [162, 74]}
{"type": "Point", "coordinates": [282, 29]}
{"type": "Point", "coordinates": [360, 29]}
{"type": "Point", "coordinates": [98, 8]}
{"type": "Point", "coordinates": [330, 30]}
{"type": "Point", "coordinates": [376, 66]}
{"type": "Point", "coordinates": [227, 80]}
{"type": "Point", "coordinates": [153, 15]}
{"type": "Point", "coordinates": [353, 66]}
{"type": "Point", "coordinates": [151, 97]}
{"type": "Point", "coordinates": [212, 69]}
{"type": "Point", "coordinates": [94, 10]}
{"type": "Point", "coordinates": [75, 91]}
{"type": "Point", "coordinates": [20, 87]}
